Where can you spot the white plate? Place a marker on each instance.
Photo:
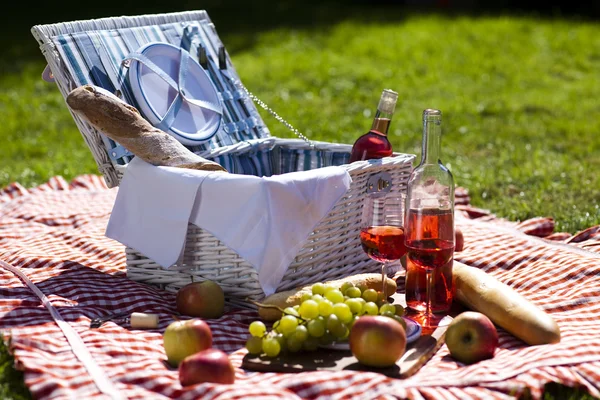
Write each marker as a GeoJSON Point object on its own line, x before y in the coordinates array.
{"type": "Point", "coordinates": [192, 124]}
{"type": "Point", "coordinates": [413, 332]}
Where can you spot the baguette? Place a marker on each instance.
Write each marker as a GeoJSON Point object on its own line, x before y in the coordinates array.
{"type": "Point", "coordinates": [504, 306]}
{"type": "Point", "coordinates": [293, 297]}
{"type": "Point", "coordinates": [124, 124]}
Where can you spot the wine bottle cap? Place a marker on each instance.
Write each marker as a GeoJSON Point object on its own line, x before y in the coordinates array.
{"type": "Point", "coordinates": [387, 102]}
{"type": "Point", "coordinates": [431, 113]}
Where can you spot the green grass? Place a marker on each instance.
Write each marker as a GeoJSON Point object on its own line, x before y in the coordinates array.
{"type": "Point", "coordinates": [520, 97]}
{"type": "Point", "coordinates": [11, 380]}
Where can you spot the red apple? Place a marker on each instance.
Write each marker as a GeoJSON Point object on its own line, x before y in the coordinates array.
{"type": "Point", "coordinates": [459, 240]}
{"type": "Point", "coordinates": [209, 365]}
{"type": "Point", "coordinates": [377, 341]}
{"type": "Point", "coordinates": [471, 337]}
{"type": "Point", "coordinates": [201, 299]}
{"type": "Point", "coordinates": [184, 338]}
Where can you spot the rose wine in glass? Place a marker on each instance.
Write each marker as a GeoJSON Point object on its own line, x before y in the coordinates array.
{"type": "Point", "coordinates": [430, 229]}
{"type": "Point", "coordinates": [383, 243]}
{"type": "Point", "coordinates": [382, 230]}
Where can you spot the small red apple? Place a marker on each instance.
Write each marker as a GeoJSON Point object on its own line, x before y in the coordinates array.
{"type": "Point", "coordinates": [209, 365]}
{"type": "Point", "coordinates": [471, 337]}
{"type": "Point", "coordinates": [184, 338]}
{"type": "Point", "coordinates": [377, 341]}
{"type": "Point", "coordinates": [201, 299]}
{"type": "Point", "coordinates": [459, 240]}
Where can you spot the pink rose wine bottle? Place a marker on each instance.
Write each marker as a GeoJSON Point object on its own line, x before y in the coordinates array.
{"type": "Point", "coordinates": [375, 143]}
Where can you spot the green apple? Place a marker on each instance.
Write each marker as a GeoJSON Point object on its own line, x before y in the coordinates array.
{"type": "Point", "coordinates": [184, 338]}
{"type": "Point", "coordinates": [471, 337]}
{"type": "Point", "coordinates": [201, 299]}
{"type": "Point", "coordinates": [377, 341]}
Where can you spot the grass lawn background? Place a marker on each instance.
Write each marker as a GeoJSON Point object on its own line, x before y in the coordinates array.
{"type": "Point", "coordinates": [520, 94]}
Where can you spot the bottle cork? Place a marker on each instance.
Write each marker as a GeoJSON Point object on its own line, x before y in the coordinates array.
{"type": "Point", "coordinates": [143, 321]}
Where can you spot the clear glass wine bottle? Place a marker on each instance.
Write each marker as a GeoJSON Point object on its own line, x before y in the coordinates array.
{"type": "Point", "coordinates": [430, 228]}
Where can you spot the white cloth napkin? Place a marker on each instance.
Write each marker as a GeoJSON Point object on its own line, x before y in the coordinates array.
{"type": "Point", "coordinates": [264, 220]}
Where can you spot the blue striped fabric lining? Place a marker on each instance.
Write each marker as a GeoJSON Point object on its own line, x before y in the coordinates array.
{"type": "Point", "coordinates": [95, 57]}
{"type": "Point", "coordinates": [279, 160]}
{"type": "Point", "coordinates": [292, 160]}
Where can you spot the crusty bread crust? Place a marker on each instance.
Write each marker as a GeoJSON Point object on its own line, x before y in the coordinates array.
{"type": "Point", "coordinates": [504, 306]}
{"type": "Point", "coordinates": [124, 124]}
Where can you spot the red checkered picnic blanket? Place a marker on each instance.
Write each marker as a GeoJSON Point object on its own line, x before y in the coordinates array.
{"type": "Point", "coordinates": [55, 235]}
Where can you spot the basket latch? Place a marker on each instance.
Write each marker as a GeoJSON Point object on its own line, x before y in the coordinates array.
{"type": "Point", "coordinates": [379, 182]}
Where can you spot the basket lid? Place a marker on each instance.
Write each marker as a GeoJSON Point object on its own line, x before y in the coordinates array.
{"type": "Point", "coordinates": [175, 93]}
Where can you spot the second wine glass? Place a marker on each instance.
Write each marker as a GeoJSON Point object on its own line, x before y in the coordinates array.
{"type": "Point", "coordinates": [382, 230]}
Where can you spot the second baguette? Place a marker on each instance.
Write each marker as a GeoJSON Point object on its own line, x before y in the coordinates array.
{"type": "Point", "coordinates": [504, 306]}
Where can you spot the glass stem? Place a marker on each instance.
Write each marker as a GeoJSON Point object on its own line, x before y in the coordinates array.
{"type": "Point", "coordinates": [429, 291]}
{"type": "Point", "coordinates": [384, 280]}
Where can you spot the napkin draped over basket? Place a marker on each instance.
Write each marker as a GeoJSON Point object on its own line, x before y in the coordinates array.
{"type": "Point", "coordinates": [265, 220]}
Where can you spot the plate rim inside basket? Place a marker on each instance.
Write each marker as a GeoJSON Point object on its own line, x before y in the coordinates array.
{"type": "Point", "coordinates": [147, 101]}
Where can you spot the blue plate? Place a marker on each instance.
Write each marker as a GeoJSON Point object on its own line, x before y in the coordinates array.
{"type": "Point", "coordinates": [413, 332]}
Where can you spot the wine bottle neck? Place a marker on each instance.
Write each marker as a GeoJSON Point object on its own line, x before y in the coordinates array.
{"type": "Point", "coordinates": [381, 123]}
{"type": "Point", "coordinates": [385, 110]}
{"type": "Point", "coordinates": [432, 137]}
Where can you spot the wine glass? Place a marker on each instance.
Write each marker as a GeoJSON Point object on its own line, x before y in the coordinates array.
{"type": "Point", "coordinates": [382, 230]}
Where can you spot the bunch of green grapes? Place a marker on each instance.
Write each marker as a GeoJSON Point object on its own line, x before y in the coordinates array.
{"type": "Point", "coordinates": [324, 316]}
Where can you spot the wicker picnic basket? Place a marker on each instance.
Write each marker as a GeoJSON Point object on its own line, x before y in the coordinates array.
{"type": "Point", "coordinates": [91, 52]}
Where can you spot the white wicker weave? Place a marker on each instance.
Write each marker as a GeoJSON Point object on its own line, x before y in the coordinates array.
{"type": "Point", "coordinates": [333, 249]}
